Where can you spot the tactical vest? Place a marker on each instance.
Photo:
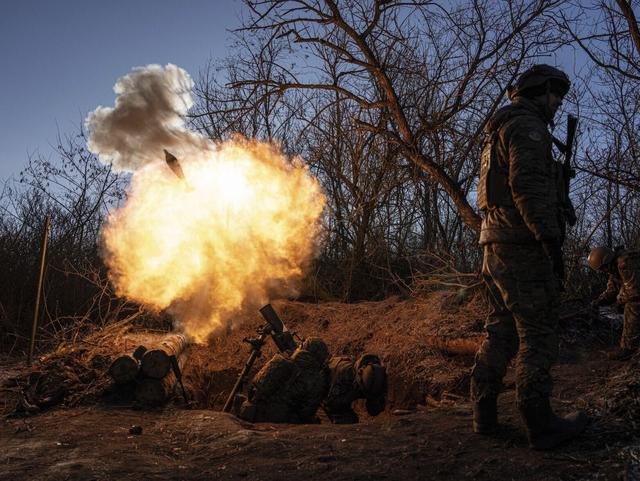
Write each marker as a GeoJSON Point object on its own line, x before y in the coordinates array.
{"type": "Point", "coordinates": [493, 188]}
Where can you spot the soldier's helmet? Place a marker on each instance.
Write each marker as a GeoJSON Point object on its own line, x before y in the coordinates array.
{"type": "Point", "coordinates": [534, 81]}
{"type": "Point", "coordinates": [317, 348]}
{"type": "Point", "coordinates": [600, 257]}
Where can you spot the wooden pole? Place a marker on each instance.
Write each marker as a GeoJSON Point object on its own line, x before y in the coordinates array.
{"type": "Point", "coordinates": [36, 310]}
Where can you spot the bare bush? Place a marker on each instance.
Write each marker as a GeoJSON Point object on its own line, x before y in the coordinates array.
{"type": "Point", "coordinates": [76, 191]}
{"type": "Point", "coordinates": [387, 101]}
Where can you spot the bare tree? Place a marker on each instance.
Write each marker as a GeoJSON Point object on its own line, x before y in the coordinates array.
{"type": "Point", "coordinates": [77, 192]}
{"type": "Point", "coordinates": [426, 67]}
{"type": "Point", "coordinates": [387, 101]}
{"type": "Point", "coordinates": [608, 32]}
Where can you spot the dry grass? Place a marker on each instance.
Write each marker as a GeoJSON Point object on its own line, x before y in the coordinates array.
{"type": "Point", "coordinates": [427, 344]}
{"type": "Point", "coordinates": [75, 372]}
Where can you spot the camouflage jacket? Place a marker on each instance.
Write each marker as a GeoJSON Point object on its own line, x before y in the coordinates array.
{"type": "Point", "coordinates": [624, 282]}
{"type": "Point", "coordinates": [343, 391]}
{"type": "Point", "coordinates": [531, 208]}
{"type": "Point", "coordinates": [364, 378]}
{"type": "Point", "coordinates": [287, 389]}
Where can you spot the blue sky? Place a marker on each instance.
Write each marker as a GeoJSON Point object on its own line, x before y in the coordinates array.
{"type": "Point", "coordinates": [61, 58]}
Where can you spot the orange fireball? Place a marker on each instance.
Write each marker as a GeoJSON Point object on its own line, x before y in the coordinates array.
{"type": "Point", "coordinates": [235, 234]}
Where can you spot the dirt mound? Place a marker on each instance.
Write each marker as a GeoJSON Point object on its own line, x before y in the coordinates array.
{"type": "Point", "coordinates": [75, 373]}
{"type": "Point", "coordinates": [426, 343]}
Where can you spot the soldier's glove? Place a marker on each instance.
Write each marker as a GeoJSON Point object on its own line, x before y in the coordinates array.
{"type": "Point", "coordinates": [553, 249]}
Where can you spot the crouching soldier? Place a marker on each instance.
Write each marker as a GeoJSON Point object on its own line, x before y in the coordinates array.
{"type": "Point", "coordinates": [365, 378]}
{"type": "Point", "coordinates": [623, 287]}
{"type": "Point", "coordinates": [289, 389]}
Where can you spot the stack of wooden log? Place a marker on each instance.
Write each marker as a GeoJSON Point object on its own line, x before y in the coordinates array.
{"type": "Point", "coordinates": [152, 372]}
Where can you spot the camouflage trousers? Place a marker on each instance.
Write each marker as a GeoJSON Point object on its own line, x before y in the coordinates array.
{"type": "Point", "coordinates": [523, 293]}
{"type": "Point", "coordinates": [631, 329]}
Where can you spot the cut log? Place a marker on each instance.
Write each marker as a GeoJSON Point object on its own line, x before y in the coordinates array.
{"type": "Point", "coordinates": [156, 362]}
{"type": "Point", "coordinates": [455, 345]}
{"type": "Point", "coordinates": [153, 392]}
{"type": "Point", "coordinates": [156, 392]}
{"type": "Point", "coordinates": [139, 352]}
{"type": "Point", "coordinates": [124, 369]}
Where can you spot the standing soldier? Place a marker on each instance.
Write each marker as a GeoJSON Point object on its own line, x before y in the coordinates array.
{"type": "Point", "coordinates": [623, 287]}
{"type": "Point", "coordinates": [522, 232]}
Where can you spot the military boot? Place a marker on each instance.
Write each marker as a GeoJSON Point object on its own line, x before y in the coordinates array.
{"type": "Point", "coordinates": [485, 415]}
{"type": "Point", "coordinates": [545, 430]}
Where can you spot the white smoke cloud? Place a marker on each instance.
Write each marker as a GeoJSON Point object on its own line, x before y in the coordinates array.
{"type": "Point", "coordinates": [239, 231]}
{"type": "Point", "coordinates": [151, 103]}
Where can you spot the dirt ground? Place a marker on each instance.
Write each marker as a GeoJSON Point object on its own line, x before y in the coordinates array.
{"type": "Point", "coordinates": [424, 434]}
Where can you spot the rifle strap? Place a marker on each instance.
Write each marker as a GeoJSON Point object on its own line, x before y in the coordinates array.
{"type": "Point", "coordinates": [562, 147]}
